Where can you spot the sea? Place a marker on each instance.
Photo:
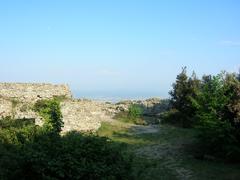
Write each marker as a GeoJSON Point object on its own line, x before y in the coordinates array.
{"type": "Point", "coordinates": [116, 96]}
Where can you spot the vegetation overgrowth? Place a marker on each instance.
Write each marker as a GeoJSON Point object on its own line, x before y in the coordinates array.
{"type": "Point", "coordinates": [50, 111]}
{"type": "Point", "coordinates": [133, 115]}
{"type": "Point", "coordinates": [212, 106]}
{"type": "Point", "coordinates": [28, 151]}
{"type": "Point", "coordinates": [206, 111]}
{"type": "Point", "coordinates": [166, 153]}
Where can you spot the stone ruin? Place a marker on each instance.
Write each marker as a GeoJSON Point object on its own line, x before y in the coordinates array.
{"type": "Point", "coordinates": [28, 92]}
{"type": "Point", "coordinates": [17, 100]}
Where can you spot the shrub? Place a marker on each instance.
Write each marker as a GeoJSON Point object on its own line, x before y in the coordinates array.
{"type": "Point", "coordinates": [135, 111]}
{"type": "Point", "coordinates": [73, 156]}
{"type": "Point", "coordinates": [133, 115]}
{"type": "Point", "coordinates": [212, 105]}
{"type": "Point", "coordinates": [219, 133]}
{"type": "Point", "coordinates": [172, 116]}
{"type": "Point", "coordinates": [124, 117]}
{"type": "Point", "coordinates": [31, 152]}
{"type": "Point", "coordinates": [8, 122]}
{"type": "Point", "coordinates": [51, 112]}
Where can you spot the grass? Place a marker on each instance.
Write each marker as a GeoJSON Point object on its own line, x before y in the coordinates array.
{"type": "Point", "coordinates": [126, 117]}
{"type": "Point", "coordinates": [166, 153]}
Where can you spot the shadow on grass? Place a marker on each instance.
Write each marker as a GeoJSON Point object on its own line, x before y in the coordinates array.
{"type": "Point", "coordinates": [149, 136]}
{"type": "Point", "coordinates": [170, 150]}
{"type": "Point", "coordinates": [33, 153]}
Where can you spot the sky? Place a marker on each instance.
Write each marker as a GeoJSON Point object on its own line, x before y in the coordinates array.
{"type": "Point", "coordinates": [120, 48]}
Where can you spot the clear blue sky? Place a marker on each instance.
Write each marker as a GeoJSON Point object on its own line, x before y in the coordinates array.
{"type": "Point", "coordinates": [122, 46]}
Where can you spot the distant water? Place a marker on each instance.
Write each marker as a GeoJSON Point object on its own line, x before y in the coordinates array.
{"type": "Point", "coordinates": [117, 96]}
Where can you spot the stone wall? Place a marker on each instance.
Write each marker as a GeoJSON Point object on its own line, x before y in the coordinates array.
{"type": "Point", "coordinates": [33, 91]}
{"type": "Point", "coordinates": [6, 107]}
{"type": "Point", "coordinates": [151, 107]}
{"type": "Point", "coordinates": [79, 115]}
{"type": "Point", "coordinates": [17, 100]}
{"type": "Point", "coordinates": [83, 115]}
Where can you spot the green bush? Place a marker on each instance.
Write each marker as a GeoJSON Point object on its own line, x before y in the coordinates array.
{"type": "Point", "coordinates": [135, 111]}
{"type": "Point", "coordinates": [133, 115]}
{"type": "Point", "coordinates": [18, 134]}
{"type": "Point", "coordinates": [211, 105]}
{"type": "Point", "coordinates": [172, 116]}
{"type": "Point", "coordinates": [51, 112]}
{"type": "Point", "coordinates": [8, 122]}
{"type": "Point", "coordinates": [30, 152]}
{"type": "Point", "coordinates": [218, 125]}
{"type": "Point", "coordinates": [73, 156]}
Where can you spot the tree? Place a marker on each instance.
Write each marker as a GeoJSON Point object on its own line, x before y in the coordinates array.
{"type": "Point", "coordinates": [179, 92]}
{"type": "Point", "coordinates": [232, 86]}
{"type": "Point", "coordinates": [184, 90]}
{"type": "Point", "coordinates": [217, 113]}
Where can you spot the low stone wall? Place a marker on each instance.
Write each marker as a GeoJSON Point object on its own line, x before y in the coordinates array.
{"type": "Point", "coordinates": [151, 107]}
{"type": "Point", "coordinates": [83, 115]}
{"type": "Point", "coordinates": [79, 115]}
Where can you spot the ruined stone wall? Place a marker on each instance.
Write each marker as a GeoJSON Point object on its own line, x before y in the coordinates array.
{"type": "Point", "coordinates": [151, 107]}
{"type": "Point", "coordinates": [17, 100]}
{"type": "Point", "coordinates": [33, 91]}
{"type": "Point", "coordinates": [83, 115]}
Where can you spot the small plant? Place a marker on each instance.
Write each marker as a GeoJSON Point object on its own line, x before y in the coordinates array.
{"type": "Point", "coordinates": [24, 108]}
{"type": "Point", "coordinates": [133, 115]}
{"type": "Point", "coordinates": [135, 111]}
{"type": "Point", "coordinates": [15, 102]}
{"type": "Point", "coordinates": [60, 98]}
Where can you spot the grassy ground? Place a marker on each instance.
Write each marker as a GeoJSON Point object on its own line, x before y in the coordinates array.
{"type": "Point", "coordinates": [162, 152]}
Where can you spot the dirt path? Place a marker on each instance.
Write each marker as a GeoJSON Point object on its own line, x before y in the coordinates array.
{"type": "Point", "coordinates": [164, 153]}
{"type": "Point", "coordinates": [138, 129]}
{"type": "Point", "coordinates": [169, 154]}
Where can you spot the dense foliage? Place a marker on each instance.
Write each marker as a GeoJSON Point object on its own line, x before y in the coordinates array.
{"type": "Point", "coordinates": [212, 105]}
{"type": "Point", "coordinates": [218, 116]}
{"type": "Point", "coordinates": [51, 113]}
{"type": "Point", "coordinates": [183, 91]}
{"type": "Point", "coordinates": [31, 152]}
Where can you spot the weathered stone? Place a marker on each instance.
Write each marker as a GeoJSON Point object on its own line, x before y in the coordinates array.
{"type": "Point", "coordinates": [17, 100]}
{"type": "Point", "coordinates": [5, 108]}
{"type": "Point", "coordinates": [151, 107]}
{"type": "Point", "coordinates": [83, 115]}
{"type": "Point", "coordinates": [33, 91]}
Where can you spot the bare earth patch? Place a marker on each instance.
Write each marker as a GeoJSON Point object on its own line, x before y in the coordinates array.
{"type": "Point", "coordinates": [138, 129]}
{"type": "Point", "coordinates": [163, 152]}
{"type": "Point", "coordinates": [169, 153]}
